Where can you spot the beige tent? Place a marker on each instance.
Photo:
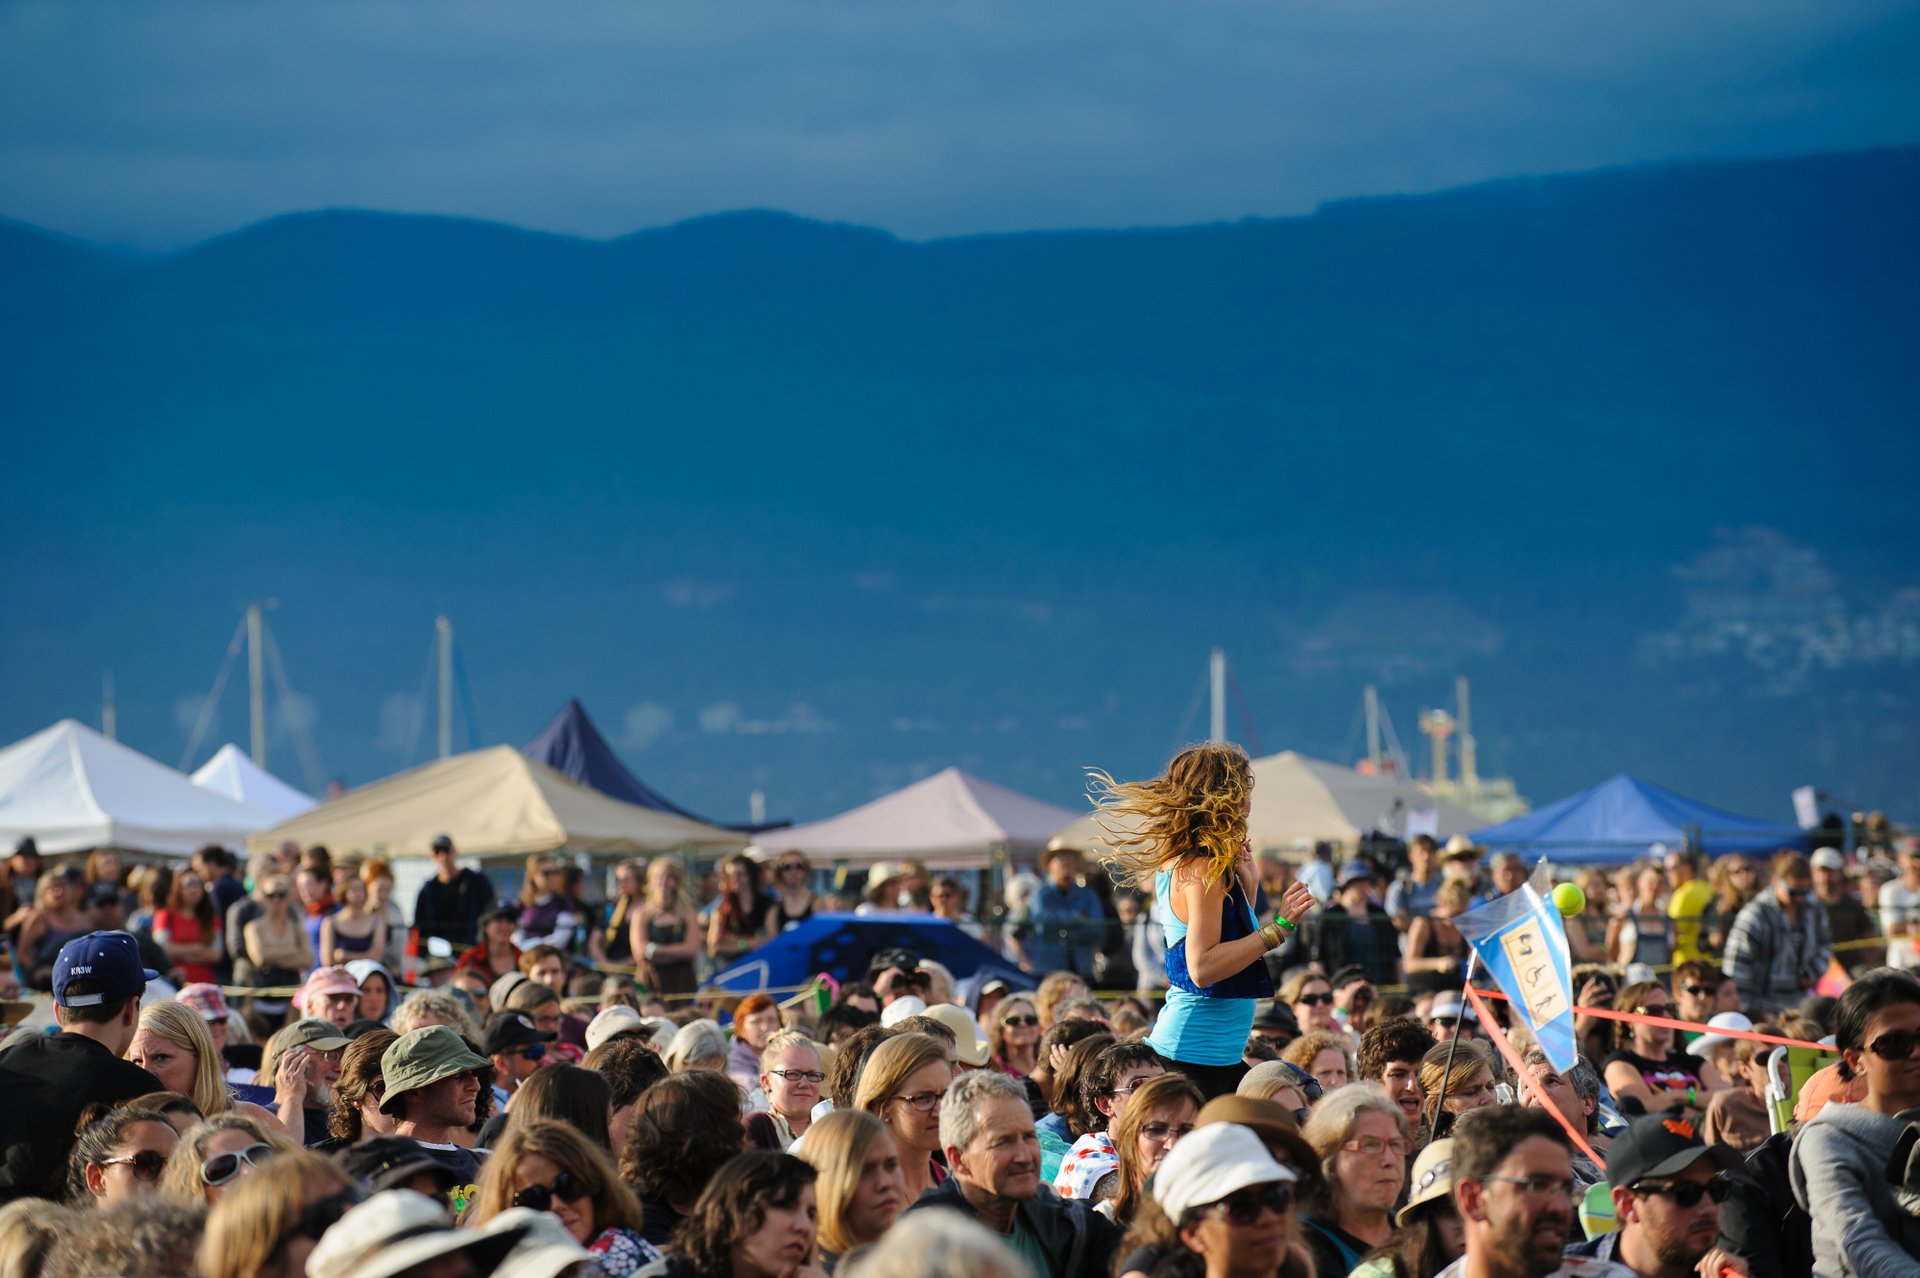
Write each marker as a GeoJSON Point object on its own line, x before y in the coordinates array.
{"type": "Point", "coordinates": [1299, 801]}
{"type": "Point", "coordinates": [492, 802]}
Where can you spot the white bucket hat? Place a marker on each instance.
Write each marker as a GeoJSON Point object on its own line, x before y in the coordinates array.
{"type": "Point", "coordinates": [543, 1247]}
{"type": "Point", "coordinates": [1724, 1021]}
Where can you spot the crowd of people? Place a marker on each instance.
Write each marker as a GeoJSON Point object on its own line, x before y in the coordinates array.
{"type": "Point", "coordinates": [278, 1073]}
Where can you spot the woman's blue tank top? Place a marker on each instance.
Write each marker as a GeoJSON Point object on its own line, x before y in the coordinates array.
{"type": "Point", "coordinates": [1206, 1025]}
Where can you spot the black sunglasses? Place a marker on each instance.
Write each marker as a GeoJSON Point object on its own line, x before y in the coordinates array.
{"type": "Point", "coordinates": [1895, 1045]}
{"type": "Point", "coordinates": [145, 1165]}
{"type": "Point", "coordinates": [540, 1197]}
{"type": "Point", "coordinates": [1686, 1194]}
{"type": "Point", "coordinates": [1245, 1207]}
{"type": "Point", "coordinates": [1021, 1020]}
{"type": "Point", "coordinates": [1315, 1000]}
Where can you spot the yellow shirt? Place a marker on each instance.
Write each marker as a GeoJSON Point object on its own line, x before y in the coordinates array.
{"type": "Point", "coordinates": [1686, 907]}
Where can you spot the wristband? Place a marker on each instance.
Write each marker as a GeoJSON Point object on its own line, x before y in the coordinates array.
{"type": "Point", "coordinates": [1691, 1102]}
{"type": "Point", "coordinates": [1285, 922]}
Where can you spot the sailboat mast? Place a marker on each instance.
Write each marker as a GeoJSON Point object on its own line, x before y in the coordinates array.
{"type": "Point", "coordinates": [256, 686]}
{"type": "Point", "coordinates": [1217, 727]}
{"type": "Point", "coordinates": [445, 627]}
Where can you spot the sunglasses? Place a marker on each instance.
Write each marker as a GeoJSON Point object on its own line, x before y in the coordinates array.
{"type": "Point", "coordinates": [1315, 1000]}
{"type": "Point", "coordinates": [1021, 1020]}
{"type": "Point", "coordinates": [792, 865]}
{"type": "Point", "coordinates": [1688, 1193]}
{"type": "Point", "coordinates": [540, 1197]}
{"type": "Point", "coordinates": [276, 896]}
{"type": "Point", "coordinates": [222, 1168]}
{"type": "Point", "coordinates": [146, 1165]}
{"type": "Point", "coordinates": [1244, 1208]}
{"type": "Point", "coordinates": [1895, 1045]}
{"type": "Point", "coordinates": [532, 1051]}
{"type": "Point", "coordinates": [318, 1218]}
{"type": "Point", "coordinates": [1160, 1131]}
{"type": "Point", "coordinates": [1701, 991]}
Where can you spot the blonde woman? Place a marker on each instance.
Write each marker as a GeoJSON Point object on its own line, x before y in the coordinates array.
{"type": "Point", "coordinates": [214, 1154]}
{"type": "Point", "coordinates": [1468, 1084]}
{"type": "Point", "coordinates": [1324, 1055]}
{"type": "Point", "coordinates": [1182, 837]}
{"type": "Point", "coordinates": [268, 1225]}
{"type": "Point", "coordinates": [350, 932]}
{"type": "Point", "coordinates": [664, 935]}
{"type": "Point", "coordinates": [173, 1044]}
{"type": "Point", "coordinates": [902, 1085]}
{"type": "Point", "coordinates": [859, 1192]}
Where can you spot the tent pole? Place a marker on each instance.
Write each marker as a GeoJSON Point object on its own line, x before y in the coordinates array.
{"type": "Point", "coordinates": [256, 686]}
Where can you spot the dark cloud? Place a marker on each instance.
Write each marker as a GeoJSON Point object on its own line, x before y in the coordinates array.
{"type": "Point", "coordinates": [160, 124]}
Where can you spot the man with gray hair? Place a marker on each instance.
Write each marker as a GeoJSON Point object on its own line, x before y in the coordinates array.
{"type": "Point", "coordinates": [993, 1155]}
{"type": "Point", "coordinates": [1575, 1093]}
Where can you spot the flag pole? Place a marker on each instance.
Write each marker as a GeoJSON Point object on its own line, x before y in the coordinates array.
{"type": "Point", "coordinates": [1453, 1044]}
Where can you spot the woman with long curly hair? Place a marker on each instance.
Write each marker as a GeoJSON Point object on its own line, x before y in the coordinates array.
{"type": "Point", "coordinates": [740, 920]}
{"type": "Point", "coordinates": [1183, 837]}
{"type": "Point", "coordinates": [665, 936]}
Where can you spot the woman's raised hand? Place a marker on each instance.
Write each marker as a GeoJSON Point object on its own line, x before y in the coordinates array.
{"type": "Point", "coordinates": [1297, 902]}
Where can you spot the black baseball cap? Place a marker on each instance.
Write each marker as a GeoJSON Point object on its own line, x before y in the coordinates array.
{"type": "Point", "coordinates": [386, 1162]}
{"type": "Point", "coordinates": [1658, 1145]}
{"type": "Point", "coordinates": [501, 910]}
{"type": "Point", "coordinates": [104, 893]}
{"type": "Point", "coordinates": [509, 1030]}
{"type": "Point", "coordinates": [893, 956]}
{"type": "Point", "coordinates": [442, 843]}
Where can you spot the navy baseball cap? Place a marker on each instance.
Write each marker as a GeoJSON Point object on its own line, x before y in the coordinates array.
{"type": "Point", "coordinates": [110, 958]}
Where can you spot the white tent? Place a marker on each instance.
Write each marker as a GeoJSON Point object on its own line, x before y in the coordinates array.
{"type": "Point", "coordinates": [72, 789]}
{"type": "Point", "coordinates": [491, 802]}
{"type": "Point", "coordinates": [951, 818]}
{"type": "Point", "coordinates": [1298, 801]}
{"type": "Point", "coordinates": [233, 773]}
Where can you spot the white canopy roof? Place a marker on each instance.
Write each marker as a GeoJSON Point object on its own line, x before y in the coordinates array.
{"type": "Point", "coordinates": [233, 773]}
{"type": "Point", "coordinates": [72, 790]}
{"type": "Point", "coordinates": [1298, 801]}
{"type": "Point", "coordinates": [952, 818]}
{"type": "Point", "coordinates": [491, 802]}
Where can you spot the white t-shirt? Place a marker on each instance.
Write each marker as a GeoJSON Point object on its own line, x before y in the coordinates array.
{"type": "Point", "coordinates": [1899, 903]}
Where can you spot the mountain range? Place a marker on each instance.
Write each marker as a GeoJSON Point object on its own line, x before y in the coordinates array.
{"type": "Point", "coordinates": [810, 509]}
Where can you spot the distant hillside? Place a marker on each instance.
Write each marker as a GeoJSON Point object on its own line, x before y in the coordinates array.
{"type": "Point", "coordinates": [991, 499]}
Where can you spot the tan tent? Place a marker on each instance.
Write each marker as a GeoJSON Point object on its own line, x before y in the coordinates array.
{"type": "Point", "coordinates": [1298, 801]}
{"type": "Point", "coordinates": [492, 802]}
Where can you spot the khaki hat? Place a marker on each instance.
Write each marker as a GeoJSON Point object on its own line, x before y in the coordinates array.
{"type": "Point", "coordinates": [972, 1044]}
{"type": "Point", "coordinates": [1270, 1120]}
{"type": "Point", "coordinates": [1461, 845]}
{"type": "Point", "coordinates": [322, 1036]}
{"type": "Point", "coordinates": [421, 1058]}
{"type": "Point", "coordinates": [543, 1247]}
{"type": "Point", "coordinates": [1432, 1178]}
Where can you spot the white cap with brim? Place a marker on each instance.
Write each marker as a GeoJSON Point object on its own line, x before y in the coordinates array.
{"type": "Point", "coordinates": [610, 1022]}
{"type": "Point", "coordinates": [901, 1008]}
{"type": "Point", "coordinates": [1212, 1162]}
{"type": "Point", "coordinates": [1710, 1040]}
{"type": "Point", "coordinates": [395, 1230]}
{"type": "Point", "coordinates": [542, 1249]}
{"type": "Point", "coordinates": [1449, 1004]}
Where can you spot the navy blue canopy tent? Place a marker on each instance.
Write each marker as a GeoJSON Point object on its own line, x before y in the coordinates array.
{"type": "Point", "coordinates": [573, 746]}
{"type": "Point", "coordinates": [841, 945]}
{"type": "Point", "coordinates": [1616, 821]}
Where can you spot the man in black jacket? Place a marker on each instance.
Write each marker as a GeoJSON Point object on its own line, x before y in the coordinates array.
{"type": "Point", "coordinates": [451, 902]}
{"type": "Point", "coordinates": [994, 1157]}
{"type": "Point", "coordinates": [1353, 931]}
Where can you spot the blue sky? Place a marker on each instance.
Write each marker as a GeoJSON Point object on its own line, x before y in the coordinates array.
{"type": "Point", "coordinates": [156, 125]}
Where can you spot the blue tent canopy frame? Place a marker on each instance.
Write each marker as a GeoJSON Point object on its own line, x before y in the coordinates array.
{"type": "Point", "coordinates": [841, 945]}
{"type": "Point", "coordinates": [1615, 822]}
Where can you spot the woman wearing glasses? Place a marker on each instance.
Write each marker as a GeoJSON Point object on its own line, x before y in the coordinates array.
{"type": "Point", "coordinates": [902, 1085]}
{"type": "Point", "coordinates": [1646, 1066]}
{"type": "Point", "coordinates": [1361, 1139]}
{"type": "Point", "coordinates": [859, 1190]}
{"type": "Point", "coordinates": [1157, 1119]}
{"type": "Point", "coordinates": [790, 1079]}
{"type": "Point", "coordinates": [1840, 1159]}
{"type": "Point", "coordinates": [1183, 838]}
{"type": "Point", "coordinates": [550, 1167]}
{"type": "Point", "coordinates": [793, 901]}
{"type": "Point", "coordinates": [1013, 1035]}
{"type": "Point", "coordinates": [1229, 1202]}
{"type": "Point", "coordinates": [276, 943]}
{"type": "Point", "coordinates": [266, 1226]}
{"type": "Point", "coordinates": [212, 1157]}
{"type": "Point", "coordinates": [119, 1157]}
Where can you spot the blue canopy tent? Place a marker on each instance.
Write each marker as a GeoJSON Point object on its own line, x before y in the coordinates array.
{"type": "Point", "coordinates": [1616, 821]}
{"type": "Point", "coordinates": [573, 746]}
{"type": "Point", "coordinates": [841, 945]}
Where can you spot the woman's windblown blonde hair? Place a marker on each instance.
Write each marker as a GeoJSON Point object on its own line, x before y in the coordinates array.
{"type": "Point", "coordinates": [1196, 808]}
